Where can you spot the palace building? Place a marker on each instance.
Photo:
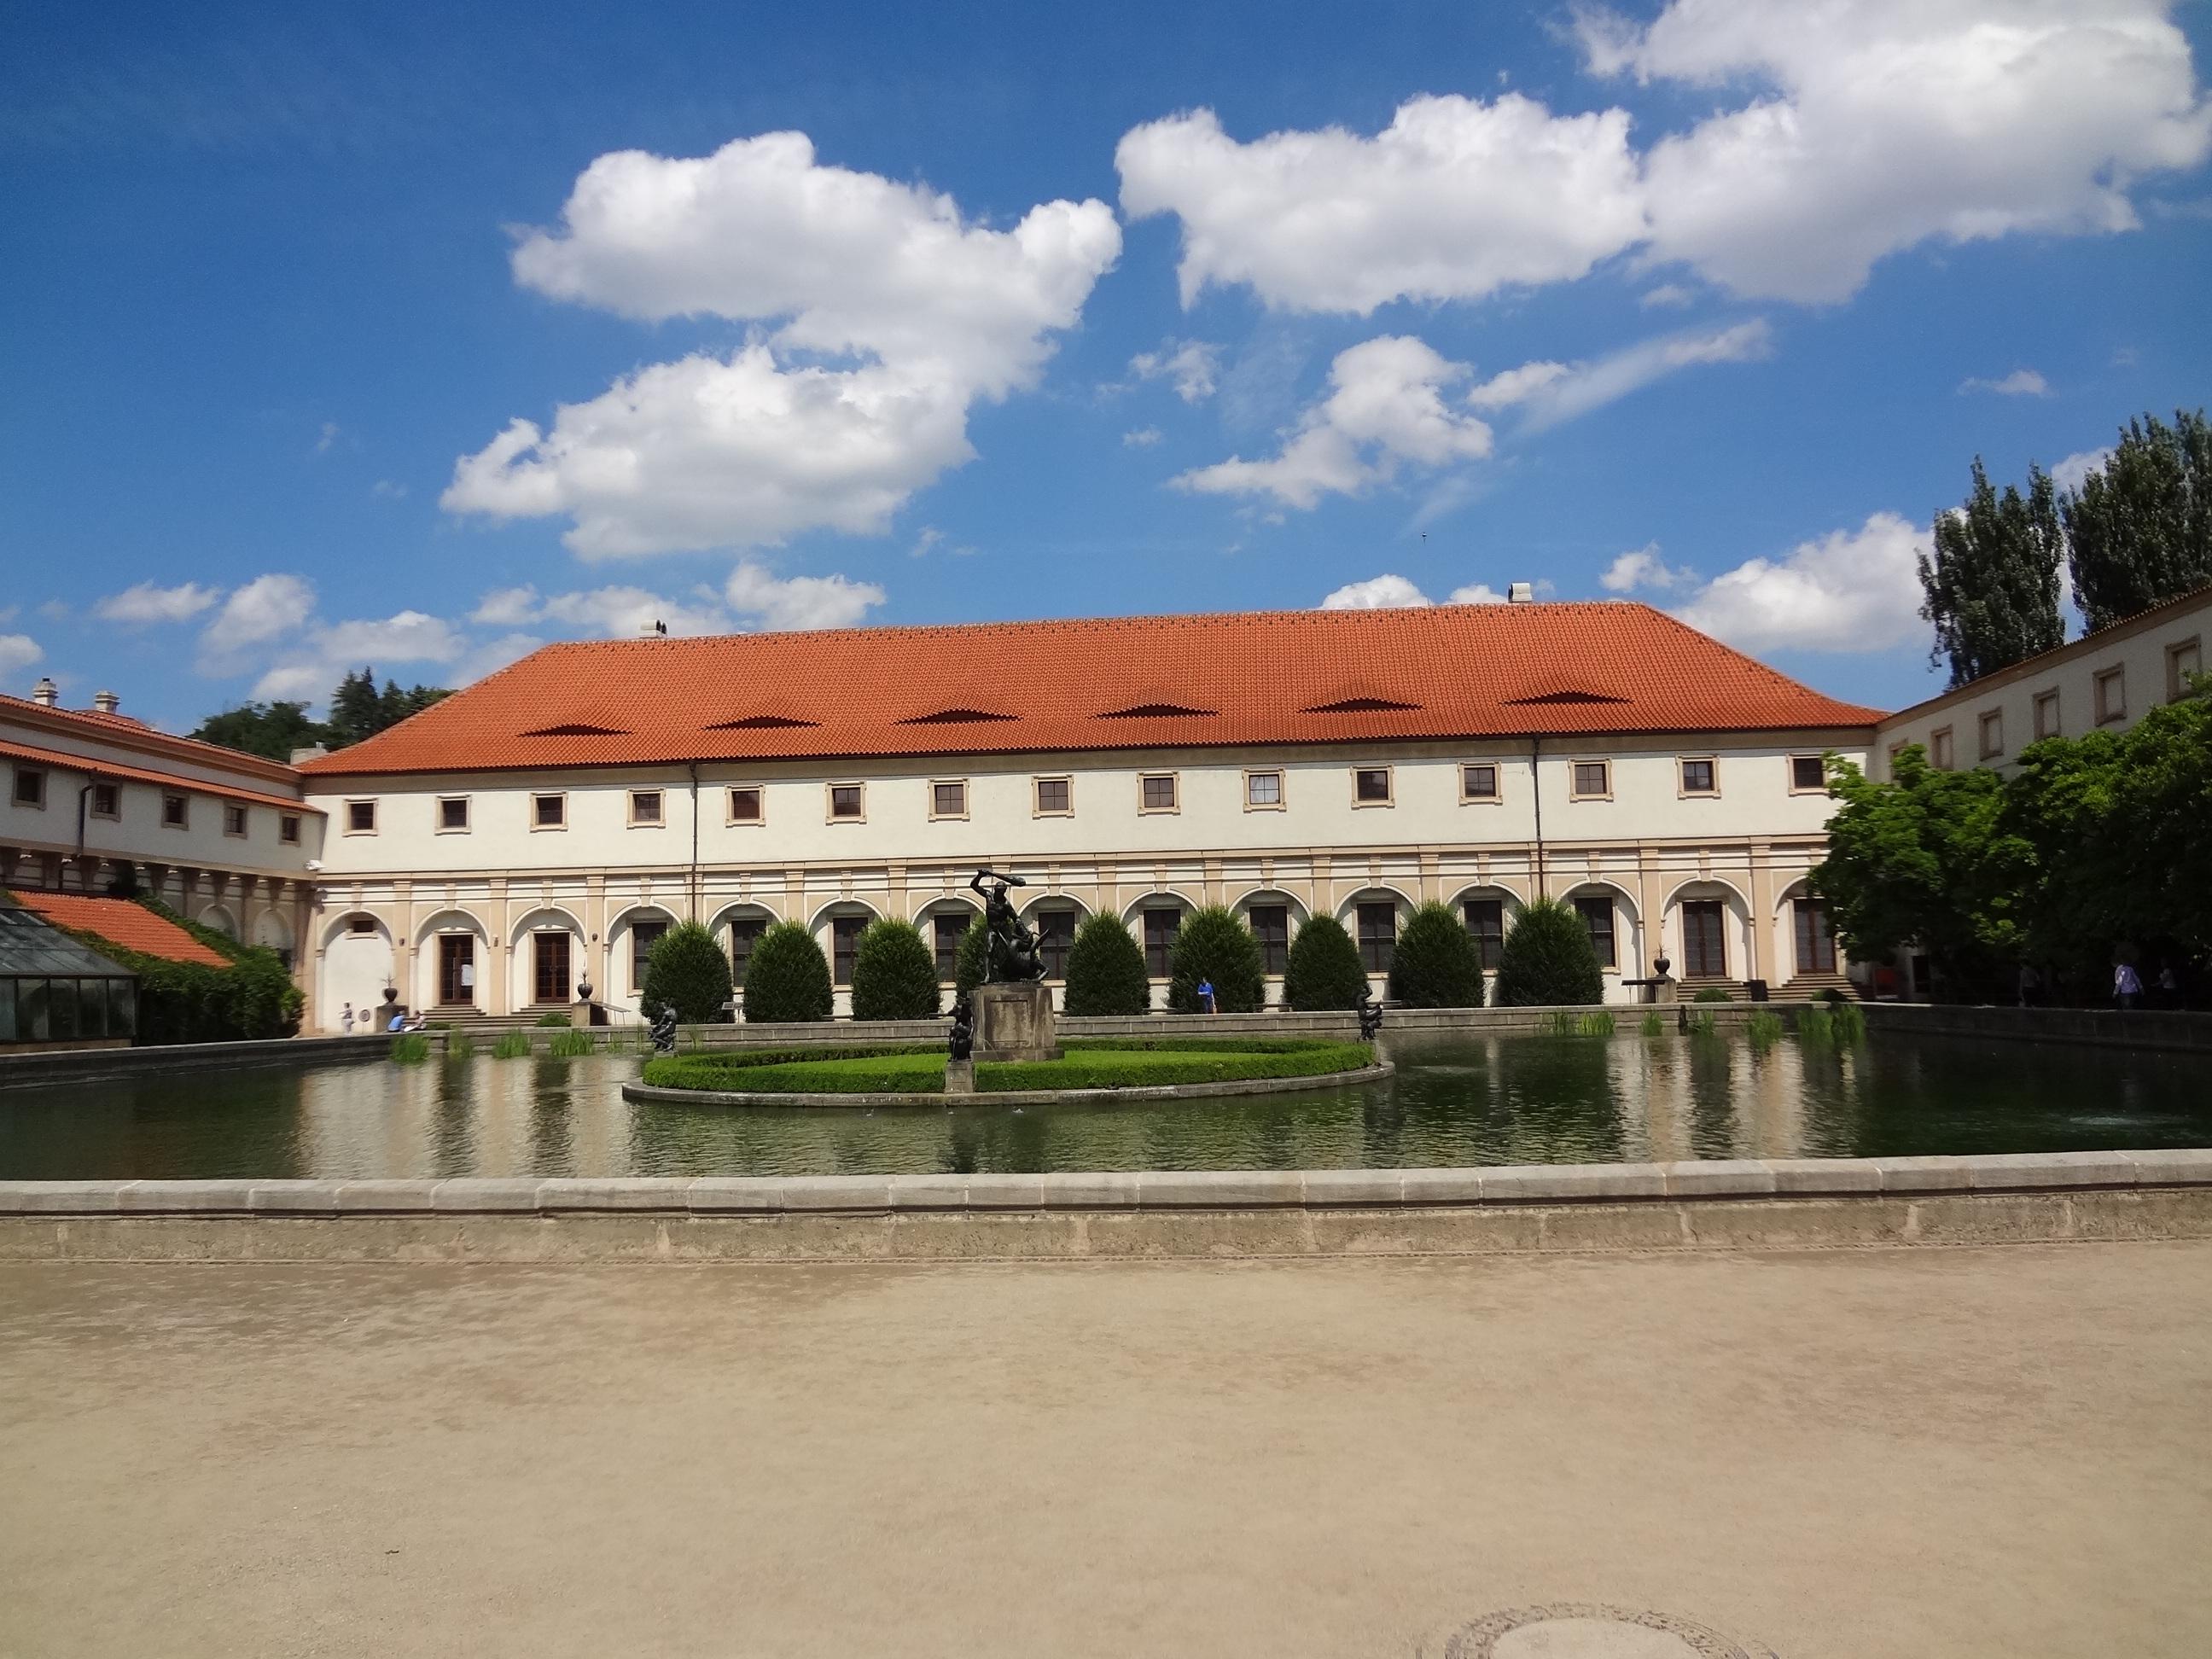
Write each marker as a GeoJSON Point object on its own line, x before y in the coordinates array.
{"type": "Point", "coordinates": [539, 829]}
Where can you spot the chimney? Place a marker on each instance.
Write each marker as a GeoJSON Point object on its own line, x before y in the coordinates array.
{"type": "Point", "coordinates": [1519, 593]}
{"type": "Point", "coordinates": [106, 701]}
{"type": "Point", "coordinates": [653, 630]}
{"type": "Point", "coordinates": [44, 693]}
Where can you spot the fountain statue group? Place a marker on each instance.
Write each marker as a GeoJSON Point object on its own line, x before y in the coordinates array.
{"type": "Point", "coordinates": [1010, 1015]}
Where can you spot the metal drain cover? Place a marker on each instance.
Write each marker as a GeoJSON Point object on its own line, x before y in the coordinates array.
{"type": "Point", "coordinates": [1576, 1630]}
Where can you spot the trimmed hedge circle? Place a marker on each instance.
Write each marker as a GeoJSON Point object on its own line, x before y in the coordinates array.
{"type": "Point", "coordinates": [919, 1068]}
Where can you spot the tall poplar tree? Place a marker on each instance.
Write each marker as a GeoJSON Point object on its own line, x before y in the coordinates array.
{"type": "Point", "coordinates": [2139, 531]}
{"type": "Point", "coordinates": [1992, 586]}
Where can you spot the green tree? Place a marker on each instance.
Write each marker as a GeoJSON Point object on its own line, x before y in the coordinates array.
{"type": "Point", "coordinates": [359, 711]}
{"type": "Point", "coordinates": [971, 960]}
{"type": "Point", "coordinates": [1992, 586]}
{"type": "Point", "coordinates": [1920, 860]}
{"type": "Point", "coordinates": [894, 973]}
{"type": "Point", "coordinates": [271, 730]}
{"type": "Point", "coordinates": [1548, 959]}
{"type": "Point", "coordinates": [1324, 971]}
{"type": "Point", "coordinates": [1436, 964]}
{"type": "Point", "coordinates": [1106, 969]}
{"type": "Point", "coordinates": [2139, 529]}
{"type": "Point", "coordinates": [1214, 945]}
{"type": "Point", "coordinates": [687, 971]}
{"type": "Point", "coordinates": [787, 977]}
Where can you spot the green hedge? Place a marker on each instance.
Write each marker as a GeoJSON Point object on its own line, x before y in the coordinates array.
{"type": "Point", "coordinates": [1106, 970]}
{"type": "Point", "coordinates": [787, 978]}
{"type": "Point", "coordinates": [253, 998]}
{"type": "Point", "coordinates": [1214, 945]}
{"type": "Point", "coordinates": [1435, 964]}
{"type": "Point", "coordinates": [1324, 971]}
{"type": "Point", "coordinates": [894, 973]}
{"type": "Point", "coordinates": [919, 1068]}
{"type": "Point", "coordinates": [687, 971]}
{"type": "Point", "coordinates": [1548, 960]}
{"type": "Point", "coordinates": [1103, 1069]}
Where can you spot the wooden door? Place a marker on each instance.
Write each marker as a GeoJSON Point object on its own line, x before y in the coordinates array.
{"type": "Point", "coordinates": [549, 965]}
{"type": "Point", "coordinates": [457, 956]}
{"type": "Point", "coordinates": [1705, 944]}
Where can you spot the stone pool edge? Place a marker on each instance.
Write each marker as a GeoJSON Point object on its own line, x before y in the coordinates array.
{"type": "Point", "coordinates": [817, 1100]}
{"type": "Point", "coordinates": [1785, 1203]}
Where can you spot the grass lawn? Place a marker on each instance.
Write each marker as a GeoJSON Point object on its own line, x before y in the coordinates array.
{"type": "Point", "coordinates": [1091, 1066]}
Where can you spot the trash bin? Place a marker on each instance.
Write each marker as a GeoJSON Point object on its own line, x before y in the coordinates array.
{"type": "Point", "coordinates": [1756, 989]}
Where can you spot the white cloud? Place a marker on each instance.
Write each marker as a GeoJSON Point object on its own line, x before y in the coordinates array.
{"type": "Point", "coordinates": [144, 603]}
{"type": "Point", "coordinates": [306, 670]}
{"type": "Point", "coordinates": [1642, 567]}
{"type": "Point", "coordinates": [1385, 407]}
{"type": "Point", "coordinates": [506, 607]}
{"type": "Point", "coordinates": [1143, 438]}
{"type": "Point", "coordinates": [2021, 383]}
{"type": "Point", "coordinates": [1850, 590]}
{"type": "Point", "coordinates": [387, 490]}
{"type": "Point", "coordinates": [268, 608]}
{"type": "Point", "coordinates": [620, 613]}
{"type": "Point", "coordinates": [2070, 473]}
{"type": "Point", "coordinates": [1587, 386]}
{"type": "Point", "coordinates": [929, 537]}
{"type": "Point", "coordinates": [1672, 294]}
{"type": "Point", "coordinates": [18, 651]}
{"type": "Point", "coordinates": [1193, 365]}
{"type": "Point", "coordinates": [1844, 131]}
{"type": "Point", "coordinates": [918, 313]}
{"type": "Point", "coordinates": [1482, 593]}
{"type": "Point", "coordinates": [1515, 385]}
{"type": "Point", "coordinates": [1391, 592]}
{"type": "Point", "coordinates": [327, 437]}
{"type": "Point", "coordinates": [794, 602]}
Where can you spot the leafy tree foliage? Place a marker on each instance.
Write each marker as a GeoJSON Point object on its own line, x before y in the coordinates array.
{"type": "Point", "coordinates": [252, 997]}
{"type": "Point", "coordinates": [894, 973]}
{"type": "Point", "coordinates": [687, 971]}
{"type": "Point", "coordinates": [1106, 969]}
{"type": "Point", "coordinates": [1324, 971]}
{"type": "Point", "coordinates": [271, 730]}
{"type": "Point", "coordinates": [787, 977]}
{"type": "Point", "coordinates": [2139, 531]}
{"type": "Point", "coordinates": [1549, 960]}
{"type": "Point", "coordinates": [1437, 963]}
{"type": "Point", "coordinates": [972, 960]}
{"type": "Point", "coordinates": [358, 710]}
{"type": "Point", "coordinates": [1992, 586]}
{"type": "Point", "coordinates": [1214, 945]}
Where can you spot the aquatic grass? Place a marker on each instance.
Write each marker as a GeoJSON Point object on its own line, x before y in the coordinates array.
{"type": "Point", "coordinates": [460, 1045]}
{"type": "Point", "coordinates": [1653, 1024]}
{"type": "Point", "coordinates": [1849, 1022]}
{"type": "Point", "coordinates": [1564, 1022]}
{"type": "Point", "coordinates": [566, 1045]}
{"type": "Point", "coordinates": [410, 1047]}
{"type": "Point", "coordinates": [1815, 1028]}
{"type": "Point", "coordinates": [512, 1045]}
{"type": "Point", "coordinates": [1763, 1028]}
{"type": "Point", "coordinates": [1699, 1025]}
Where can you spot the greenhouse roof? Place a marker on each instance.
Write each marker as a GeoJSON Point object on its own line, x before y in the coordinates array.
{"type": "Point", "coordinates": [33, 948]}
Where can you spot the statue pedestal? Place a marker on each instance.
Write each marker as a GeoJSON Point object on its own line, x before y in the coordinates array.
{"type": "Point", "coordinates": [959, 1077]}
{"type": "Point", "coordinates": [1015, 1022]}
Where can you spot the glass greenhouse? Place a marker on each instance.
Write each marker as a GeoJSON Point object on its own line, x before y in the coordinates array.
{"type": "Point", "coordinates": [54, 989]}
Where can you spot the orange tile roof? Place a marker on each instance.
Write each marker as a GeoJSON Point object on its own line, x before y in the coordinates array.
{"type": "Point", "coordinates": [121, 922]}
{"type": "Point", "coordinates": [98, 768]}
{"type": "Point", "coordinates": [137, 735]}
{"type": "Point", "coordinates": [1291, 677]}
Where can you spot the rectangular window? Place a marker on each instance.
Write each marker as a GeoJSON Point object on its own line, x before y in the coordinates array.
{"type": "Point", "coordinates": [844, 942]}
{"type": "Point", "coordinates": [234, 819]}
{"type": "Point", "coordinates": [845, 804]}
{"type": "Point", "coordinates": [745, 933]}
{"type": "Point", "coordinates": [457, 967]}
{"type": "Point", "coordinates": [30, 787]}
{"type": "Point", "coordinates": [2183, 661]}
{"type": "Point", "coordinates": [548, 811]}
{"type": "Point", "coordinates": [643, 935]}
{"type": "Point", "coordinates": [1478, 782]}
{"type": "Point", "coordinates": [1593, 780]}
{"type": "Point", "coordinates": [360, 925]}
{"type": "Point", "coordinates": [1485, 920]}
{"type": "Point", "coordinates": [1158, 792]}
{"type": "Point", "coordinates": [548, 966]}
{"type": "Point", "coordinates": [1705, 943]}
{"type": "Point", "coordinates": [1816, 939]}
{"type": "Point", "coordinates": [1055, 932]}
{"type": "Point", "coordinates": [1055, 797]}
{"type": "Point", "coordinates": [1370, 785]}
{"type": "Point", "coordinates": [1263, 790]}
{"type": "Point", "coordinates": [1271, 926]}
{"type": "Point", "coordinates": [1808, 774]}
{"type": "Point", "coordinates": [453, 814]}
{"type": "Point", "coordinates": [2111, 696]}
{"type": "Point", "coordinates": [1597, 915]}
{"type": "Point", "coordinates": [1991, 729]}
{"type": "Point", "coordinates": [1379, 936]}
{"type": "Point", "coordinates": [745, 805]}
{"type": "Point", "coordinates": [106, 801]}
{"type": "Point", "coordinates": [950, 927]}
{"type": "Point", "coordinates": [1159, 940]}
{"type": "Point", "coordinates": [1700, 777]}
{"type": "Point", "coordinates": [2046, 714]}
{"type": "Point", "coordinates": [360, 817]}
{"type": "Point", "coordinates": [1939, 749]}
{"type": "Point", "coordinates": [288, 828]}
{"type": "Point", "coordinates": [645, 809]}
{"type": "Point", "coordinates": [948, 799]}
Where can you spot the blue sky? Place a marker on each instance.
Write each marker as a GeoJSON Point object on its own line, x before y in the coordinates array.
{"type": "Point", "coordinates": [909, 315]}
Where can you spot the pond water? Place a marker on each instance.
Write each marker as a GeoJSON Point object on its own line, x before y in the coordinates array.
{"type": "Point", "coordinates": [1465, 1101]}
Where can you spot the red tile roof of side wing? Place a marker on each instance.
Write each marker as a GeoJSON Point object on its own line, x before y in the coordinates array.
{"type": "Point", "coordinates": [120, 921]}
{"type": "Point", "coordinates": [1115, 682]}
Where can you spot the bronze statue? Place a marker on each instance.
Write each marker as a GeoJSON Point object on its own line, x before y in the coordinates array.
{"type": "Point", "coordinates": [661, 1027]}
{"type": "Point", "coordinates": [1011, 958]}
{"type": "Point", "coordinates": [960, 1044]}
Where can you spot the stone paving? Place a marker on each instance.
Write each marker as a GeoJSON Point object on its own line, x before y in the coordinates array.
{"type": "Point", "coordinates": [1949, 1452]}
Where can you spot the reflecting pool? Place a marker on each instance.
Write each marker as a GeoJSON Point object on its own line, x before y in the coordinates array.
{"type": "Point", "coordinates": [1520, 1099]}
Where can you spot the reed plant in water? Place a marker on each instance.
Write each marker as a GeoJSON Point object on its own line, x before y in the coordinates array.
{"type": "Point", "coordinates": [1598, 1025]}
{"type": "Point", "coordinates": [512, 1045]}
{"type": "Point", "coordinates": [1765, 1029]}
{"type": "Point", "coordinates": [566, 1045]}
{"type": "Point", "coordinates": [460, 1045]}
{"type": "Point", "coordinates": [410, 1047]}
{"type": "Point", "coordinates": [1849, 1022]}
{"type": "Point", "coordinates": [1653, 1026]}
{"type": "Point", "coordinates": [1700, 1024]}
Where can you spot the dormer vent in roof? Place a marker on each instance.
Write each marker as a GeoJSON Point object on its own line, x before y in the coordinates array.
{"type": "Point", "coordinates": [1362, 706]}
{"type": "Point", "coordinates": [1565, 695]}
{"type": "Point", "coordinates": [1154, 711]}
{"type": "Point", "coordinates": [758, 723]}
{"type": "Point", "coordinates": [956, 717]}
{"type": "Point", "coordinates": [577, 729]}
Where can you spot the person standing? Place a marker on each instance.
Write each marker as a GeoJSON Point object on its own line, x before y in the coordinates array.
{"type": "Point", "coordinates": [1206, 996]}
{"type": "Point", "coordinates": [345, 1019]}
{"type": "Point", "coordinates": [2127, 988]}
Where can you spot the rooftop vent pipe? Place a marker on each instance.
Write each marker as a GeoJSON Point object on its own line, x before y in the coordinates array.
{"type": "Point", "coordinates": [106, 701]}
{"type": "Point", "coordinates": [1519, 593]}
{"type": "Point", "coordinates": [653, 630]}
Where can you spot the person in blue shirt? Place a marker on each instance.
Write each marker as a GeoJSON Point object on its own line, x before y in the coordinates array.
{"type": "Point", "coordinates": [1206, 996]}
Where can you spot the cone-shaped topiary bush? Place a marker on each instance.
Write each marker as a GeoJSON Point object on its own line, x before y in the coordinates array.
{"type": "Point", "coordinates": [687, 971]}
{"type": "Point", "coordinates": [787, 977]}
{"type": "Point", "coordinates": [973, 959]}
{"type": "Point", "coordinates": [1324, 971]}
{"type": "Point", "coordinates": [1436, 964]}
{"type": "Point", "coordinates": [894, 973]}
{"type": "Point", "coordinates": [1106, 970]}
{"type": "Point", "coordinates": [1549, 960]}
{"type": "Point", "coordinates": [1214, 945]}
